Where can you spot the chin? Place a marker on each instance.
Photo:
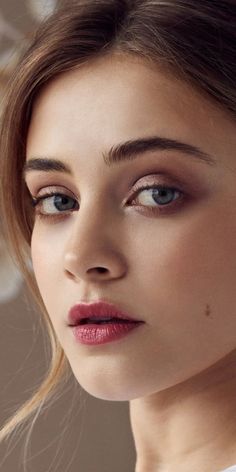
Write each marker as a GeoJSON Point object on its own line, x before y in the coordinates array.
{"type": "Point", "coordinates": [113, 390]}
{"type": "Point", "coordinates": [110, 393]}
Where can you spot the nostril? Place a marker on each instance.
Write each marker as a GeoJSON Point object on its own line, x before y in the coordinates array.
{"type": "Point", "coordinates": [97, 270]}
{"type": "Point", "coordinates": [101, 270]}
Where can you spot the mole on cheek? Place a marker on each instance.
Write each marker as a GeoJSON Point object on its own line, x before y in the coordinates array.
{"type": "Point", "coordinates": [207, 310]}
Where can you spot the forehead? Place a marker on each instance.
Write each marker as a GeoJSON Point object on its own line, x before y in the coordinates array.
{"type": "Point", "coordinates": [116, 81]}
{"type": "Point", "coordinates": [119, 97]}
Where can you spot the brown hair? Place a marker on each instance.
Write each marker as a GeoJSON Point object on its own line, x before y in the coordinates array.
{"type": "Point", "coordinates": [195, 41]}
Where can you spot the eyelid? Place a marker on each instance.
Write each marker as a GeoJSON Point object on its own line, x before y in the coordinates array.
{"type": "Point", "coordinates": [150, 180]}
{"type": "Point", "coordinates": [152, 177]}
{"type": "Point", "coordinates": [52, 189]}
{"type": "Point", "coordinates": [160, 179]}
{"type": "Point", "coordinates": [136, 190]}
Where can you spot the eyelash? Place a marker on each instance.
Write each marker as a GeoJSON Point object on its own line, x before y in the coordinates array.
{"type": "Point", "coordinates": [36, 201]}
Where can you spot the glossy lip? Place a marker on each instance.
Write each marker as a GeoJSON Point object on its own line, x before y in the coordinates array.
{"type": "Point", "coordinates": [94, 334]}
{"type": "Point", "coordinates": [94, 310]}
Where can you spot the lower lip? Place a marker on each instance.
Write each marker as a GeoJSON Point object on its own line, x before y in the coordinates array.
{"type": "Point", "coordinates": [101, 334]}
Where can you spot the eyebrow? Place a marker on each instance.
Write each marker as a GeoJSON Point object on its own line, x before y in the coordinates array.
{"type": "Point", "coordinates": [128, 150]}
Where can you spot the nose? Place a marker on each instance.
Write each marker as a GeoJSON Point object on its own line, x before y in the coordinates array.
{"type": "Point", "coordinates": [93, 250]}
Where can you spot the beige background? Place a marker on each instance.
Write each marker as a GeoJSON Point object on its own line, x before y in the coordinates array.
{"type": "Point", "coordinates": [94, 435]}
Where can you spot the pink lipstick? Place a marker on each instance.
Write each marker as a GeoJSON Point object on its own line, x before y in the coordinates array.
{"type": "Point", "coordinates": [100, 322]}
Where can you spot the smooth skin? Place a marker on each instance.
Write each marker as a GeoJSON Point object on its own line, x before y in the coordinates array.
{"type": "Point", "coordinates": [171, 264]}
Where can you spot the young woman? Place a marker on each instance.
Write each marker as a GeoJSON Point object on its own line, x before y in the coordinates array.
{"type": "Point", "coordinates": [119, 180]}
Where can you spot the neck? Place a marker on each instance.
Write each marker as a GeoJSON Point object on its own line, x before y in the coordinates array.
{"type": "Point", "coordinates": [190, 426]}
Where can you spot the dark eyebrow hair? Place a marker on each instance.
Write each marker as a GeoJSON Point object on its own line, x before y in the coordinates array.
{"type": "Point", "coordinates": [128, 150]}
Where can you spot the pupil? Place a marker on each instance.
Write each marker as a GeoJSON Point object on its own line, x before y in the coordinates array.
{"type": "Point", "coordinates": [163, 194]}
{"type": "Point", "coordinates": [64, 201]}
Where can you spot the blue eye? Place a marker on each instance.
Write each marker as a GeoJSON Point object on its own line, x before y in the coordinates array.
{"type": "Point", "coordinates": [157, 195]}
{"type": "Point", "coordinates": [157, 198]}
{"type": "Point", "coordinates": [54, 203]}
{"type": "Point", "coordinates": [152, 198]}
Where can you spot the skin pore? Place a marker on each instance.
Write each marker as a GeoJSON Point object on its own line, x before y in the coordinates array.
{"type": "Point", "coordinates": [171, 265]}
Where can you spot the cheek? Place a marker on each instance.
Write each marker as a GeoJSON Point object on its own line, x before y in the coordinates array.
{"type": "Point", "coordinates": [40, 255]}
{"type": "Point", "coordinates": [206, 256]}
{"type": "Point", "coordinates": [188, 270]}
{"type": "Point", "coordinates": [46, 257]}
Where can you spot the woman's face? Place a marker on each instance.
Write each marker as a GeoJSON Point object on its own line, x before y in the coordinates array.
{"type": "Point", "coordinates": [170, 259]}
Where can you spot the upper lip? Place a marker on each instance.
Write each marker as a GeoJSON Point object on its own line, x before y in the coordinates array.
{"type": "Point", "coordinates": [95, 310]}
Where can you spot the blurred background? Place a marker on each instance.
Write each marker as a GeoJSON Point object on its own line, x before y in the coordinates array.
{"type": "Point", "coordinates": [77, 433]}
